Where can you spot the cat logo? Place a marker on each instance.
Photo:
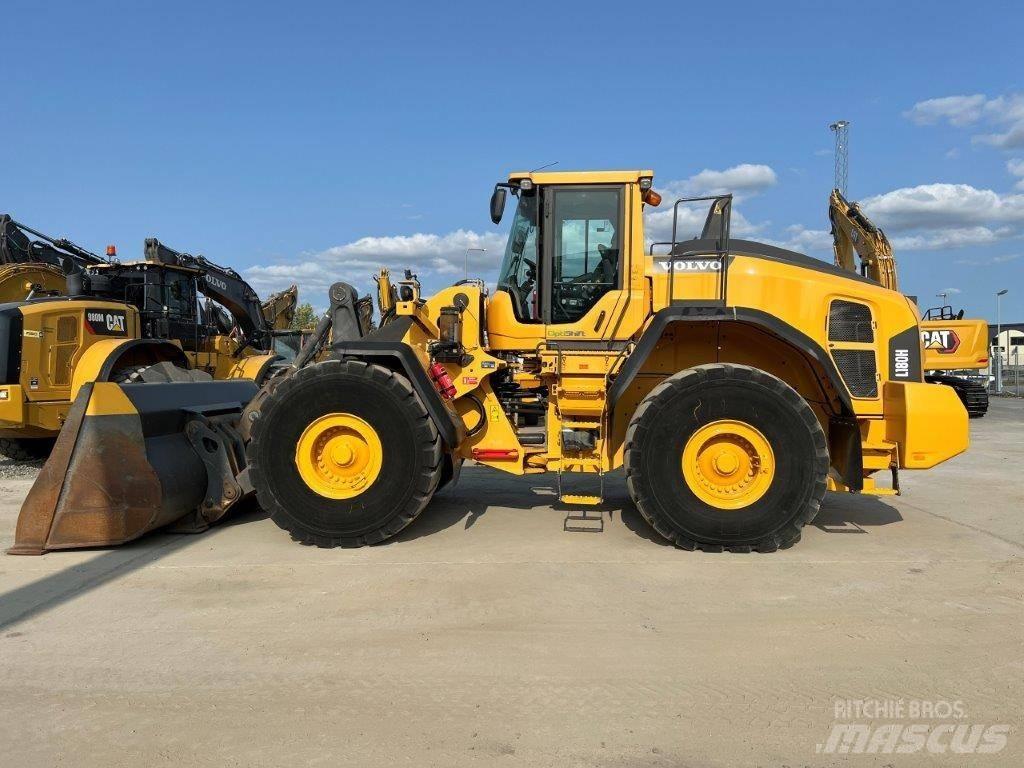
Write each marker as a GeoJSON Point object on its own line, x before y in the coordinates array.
{"type": "Point", "coordinates": [944, 340]}
{"type": "Point", "coordinates": [102, 323]}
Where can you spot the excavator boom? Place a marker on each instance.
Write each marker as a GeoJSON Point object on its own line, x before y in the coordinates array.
{"type": "Point", "coordinates": [853, 232]}
{"type": "Point", "coordinates": [279, 308]}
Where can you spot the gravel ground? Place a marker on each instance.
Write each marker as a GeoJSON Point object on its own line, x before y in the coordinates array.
{"type": "Point", "coordinates": [11, 469]}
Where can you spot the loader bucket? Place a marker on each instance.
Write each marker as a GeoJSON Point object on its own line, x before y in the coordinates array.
{"type": "Point", "coordinates": [132, 458]}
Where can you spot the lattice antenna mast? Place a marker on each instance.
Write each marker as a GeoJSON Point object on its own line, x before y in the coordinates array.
{"type": "Point", "coordinates": [842, 153]}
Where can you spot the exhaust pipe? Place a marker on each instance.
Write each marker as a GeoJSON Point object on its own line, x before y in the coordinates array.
{"type": "Point", "coordinates": [132, 458]}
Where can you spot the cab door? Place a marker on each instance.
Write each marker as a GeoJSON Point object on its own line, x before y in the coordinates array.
{"type": "Point", "coordinates": [582, 281]}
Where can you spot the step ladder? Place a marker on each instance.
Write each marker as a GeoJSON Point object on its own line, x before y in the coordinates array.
{"type": "Point", "coordinates": [587, 519]}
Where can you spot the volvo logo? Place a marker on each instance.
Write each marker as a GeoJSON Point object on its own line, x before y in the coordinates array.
{"type": "Point", "coordinates": [216, 282]}
{"type": "Point", "coordinates": [690, 265]}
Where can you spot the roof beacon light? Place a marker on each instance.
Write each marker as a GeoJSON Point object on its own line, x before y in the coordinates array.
{"type": "Point", "coordinates": [652, 198]}
{"type": "Point", "coordinates": [111, 251]}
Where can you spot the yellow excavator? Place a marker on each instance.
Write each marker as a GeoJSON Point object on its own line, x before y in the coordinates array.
{"type": "Point", "coordinates": [951, 342]}
{"type": "Point", "coordinates": [96, 319]}
{"type": "Point", "coordinates": [734, 381]}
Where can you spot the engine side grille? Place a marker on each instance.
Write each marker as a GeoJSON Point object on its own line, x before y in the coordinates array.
{"type": "Point", "coordinates": [67, 329]}
{"type": "Point", "coordinates": [850, 321]}
{"type": "Point", "coordinates": [62, 364]}
{"type": "Point", "coordinates": [858, 369]}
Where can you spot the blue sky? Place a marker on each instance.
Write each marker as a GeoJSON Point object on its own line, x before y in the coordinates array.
{"type": "Point", "coordinates": [312, 141]}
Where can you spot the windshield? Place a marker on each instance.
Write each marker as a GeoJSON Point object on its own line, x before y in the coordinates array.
{"type": "Point", "coordinates": [518, 274]}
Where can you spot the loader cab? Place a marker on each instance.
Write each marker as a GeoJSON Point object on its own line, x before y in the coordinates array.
{"type": "Point", "coordinates": [566, 268]}
{"type": "Point", "coordinates": [166, 297]}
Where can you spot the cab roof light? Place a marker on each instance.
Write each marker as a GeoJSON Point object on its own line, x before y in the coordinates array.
{"type": "Point", "coordinates": [645, 182]}
{"type": "Point", "coordinates": [526, 184]}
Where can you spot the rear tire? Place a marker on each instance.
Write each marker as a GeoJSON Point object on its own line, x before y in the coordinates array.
{"type": "Point", "coordinates": [410, 448]}
{"type": "Point", "coordinates": [26, 448]}
{"type": "Point", "coordinates": [693, 403]}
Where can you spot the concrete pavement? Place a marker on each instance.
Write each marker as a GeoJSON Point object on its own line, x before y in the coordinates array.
{"type": "Point", "coordinates": [485, 635]}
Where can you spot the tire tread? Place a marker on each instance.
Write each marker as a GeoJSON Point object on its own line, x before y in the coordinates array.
{"type": "Point", "coordinates": [646, 413]}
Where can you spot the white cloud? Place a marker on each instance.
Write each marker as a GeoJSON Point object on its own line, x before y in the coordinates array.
{"type": "Point", "coordinates": [741, 180]}
{"type": "Point", "coordinates": [433, 257]}
{"type": "Point", "coordinates": [658, 223]}
{"type": "Point", "coordinates": [1003, 113]}
{"type": "Point", "coordinates": [951, 238]}
{"type": "Point", "coordinates": [1011, 139]}
{"type": "Point", "coordinates": [800, 238]}
{"type": "Point", "coordinates": [990, 262]}
{"type": "Point", "coordinates": [943, 206]}
{"type": "Point", "coordinates": [951, 291]}
{"type": "Point", "coordinates": [957, 110]}
{"type": "Point", "coordinates": [1016, 168]}
{"type": "Point", "coordinates": [746, 178]}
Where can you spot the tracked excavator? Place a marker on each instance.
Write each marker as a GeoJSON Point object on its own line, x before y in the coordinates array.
{"type": "Point", "coordinates": [113, 321]}
{"type": "Point", "coordinates": [952, 343]}
{"type": "Point", "coordinates": [733, 381]}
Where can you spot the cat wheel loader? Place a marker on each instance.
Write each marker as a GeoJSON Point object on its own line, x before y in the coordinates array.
{"type": "Point", "coordinates": [735, 382]}
{"type": "Point", "coordinates": [952, 344]}
{"type": "Point", "coordinates": [112, 321]}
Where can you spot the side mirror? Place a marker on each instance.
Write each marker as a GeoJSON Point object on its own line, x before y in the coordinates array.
{"type": "Point", "coordinates": [498, 203]}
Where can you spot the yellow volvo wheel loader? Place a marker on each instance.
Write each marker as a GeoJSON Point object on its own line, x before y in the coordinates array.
{"type": "Point", "coordinates": [137, 321]}
{"type": "Point", "coordinates": [951, 342]}
{"type": "Point", "coordinates": [734, 381]}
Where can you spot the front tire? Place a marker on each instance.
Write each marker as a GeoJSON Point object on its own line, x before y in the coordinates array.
{"type": "Point", "coordinates": [344, 454]}
{"type": "Point", "coordinates": [726, 456]}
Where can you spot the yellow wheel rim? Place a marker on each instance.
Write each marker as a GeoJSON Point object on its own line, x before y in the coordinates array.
{"type": "Point", "coordinates": [339, 456]}
{"type": "Point", "coordinates": [728, 464]}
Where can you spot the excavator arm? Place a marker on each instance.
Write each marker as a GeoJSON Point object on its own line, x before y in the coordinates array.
{"type": "Point", "coordinates": [279, 309]}
{"type": "Point", "coordinates": [223, 285]}
{"type": "Point", "coordinates": [18, 247]}
{"type": "Point", "coordinates": [853, 232]}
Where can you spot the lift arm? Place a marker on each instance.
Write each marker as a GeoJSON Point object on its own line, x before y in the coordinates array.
{"type": "Point", "coordinates": [852, 232]}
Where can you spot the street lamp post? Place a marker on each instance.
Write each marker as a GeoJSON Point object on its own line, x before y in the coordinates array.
{"type": "Point", "coordinates": [480, 250]}
{"type": "Point", "coordinates": [999, 344]}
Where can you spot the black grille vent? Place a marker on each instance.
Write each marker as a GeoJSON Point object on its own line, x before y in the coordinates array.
{"type": "Point", "coordinates": [857, 367]}
{"type": "Point", "coordinates": [850, 321]}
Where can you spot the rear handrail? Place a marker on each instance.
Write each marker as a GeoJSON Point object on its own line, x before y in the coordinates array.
{"type": "Point", "coordinates": [722, 251]}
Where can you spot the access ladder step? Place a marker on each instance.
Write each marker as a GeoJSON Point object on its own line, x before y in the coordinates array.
{"type": "Point", "coordinates": [583, 520]}
{"type": "Point", "coordinates": [579, 498]}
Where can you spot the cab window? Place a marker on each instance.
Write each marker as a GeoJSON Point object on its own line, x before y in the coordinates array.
{"type": "Point", "coordinates": [518, 276]}
{"type": "Point", "coordinates": [586, 228]}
